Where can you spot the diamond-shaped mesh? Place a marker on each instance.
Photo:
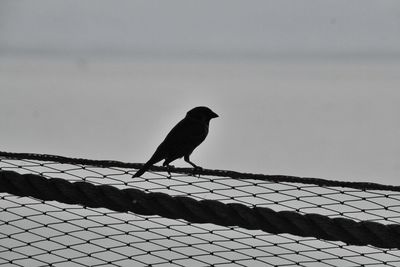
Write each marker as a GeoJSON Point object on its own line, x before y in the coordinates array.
{"type": "Point", "coordinates": [48, 233]}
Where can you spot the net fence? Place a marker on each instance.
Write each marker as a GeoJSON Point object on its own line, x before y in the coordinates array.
{"type": "Point", "coordinates": [58, 211]}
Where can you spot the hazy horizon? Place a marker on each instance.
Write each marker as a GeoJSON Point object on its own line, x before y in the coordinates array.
{"type": "Point", "coordinates": [219, 30]}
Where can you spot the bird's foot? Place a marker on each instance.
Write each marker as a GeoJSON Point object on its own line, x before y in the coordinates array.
{"type": "Point", "coordinates": [169, 167]}
{"type": "Point", "coordinates": [196, 170]}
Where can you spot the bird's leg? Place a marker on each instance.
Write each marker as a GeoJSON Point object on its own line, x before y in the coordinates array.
{"type": "Point", "coordinates": [169, 171]}
{"type": "Point", "coordinates": [166, 164]}
{"type": "Point", "coordinates": [187, 159]}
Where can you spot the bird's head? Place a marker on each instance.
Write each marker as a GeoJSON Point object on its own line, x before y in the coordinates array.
{"type": "Point", "coordinates": [202, 113]}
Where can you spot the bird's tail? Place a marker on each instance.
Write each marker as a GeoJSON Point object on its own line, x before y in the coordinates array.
{"type": "Point", "coordinates": [146, 166]}
{"type": "Point", "coordinates": [142, 170]}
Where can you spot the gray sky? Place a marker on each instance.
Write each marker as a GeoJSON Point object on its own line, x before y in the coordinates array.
{"type": "Point", "coordinates": [222, 28]}
{"type": "Point", "coordinates": [330, 119]}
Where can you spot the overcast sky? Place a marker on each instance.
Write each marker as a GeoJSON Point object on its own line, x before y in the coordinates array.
{"type": "Point", "coordinates": [331, 120]}
{"type": "Point", "coordinates": [200, 28]}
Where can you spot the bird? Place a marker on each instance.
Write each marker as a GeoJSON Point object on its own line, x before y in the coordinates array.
{"type": "Point", "coordinates": [180, 142]}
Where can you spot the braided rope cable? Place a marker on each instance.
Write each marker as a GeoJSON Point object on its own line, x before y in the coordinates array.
{"type": "Point", "coordinates": [204, 211]}
{"type": "Point", "coordinates": [217, 173]}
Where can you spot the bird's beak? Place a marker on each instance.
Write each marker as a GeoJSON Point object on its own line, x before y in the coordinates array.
{"type": "Point", "coordinates": [214, 115]}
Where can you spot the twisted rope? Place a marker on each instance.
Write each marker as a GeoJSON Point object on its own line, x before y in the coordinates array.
{"type": "Point", "coordinates": [218, 173]}
{"type": "Point", "coordinates": [204, 211]}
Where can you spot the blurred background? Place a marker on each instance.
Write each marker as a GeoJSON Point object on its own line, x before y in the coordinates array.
{"type": "Point", "coordinates": [302, 87]}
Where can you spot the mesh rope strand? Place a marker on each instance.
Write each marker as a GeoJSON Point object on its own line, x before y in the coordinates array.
{"type": "Point", "coordinates": [184, 219]}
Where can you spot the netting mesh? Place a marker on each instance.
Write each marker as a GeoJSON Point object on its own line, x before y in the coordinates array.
{"type": "Point", "coordinates": [42, 233]}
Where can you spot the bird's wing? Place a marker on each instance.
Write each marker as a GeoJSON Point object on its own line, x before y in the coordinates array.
{"type": "Point", "coordinates": [184, 137]}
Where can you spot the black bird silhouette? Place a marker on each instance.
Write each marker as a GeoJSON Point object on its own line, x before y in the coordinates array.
{"type": "Point", "coordinates": [182, 139]}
